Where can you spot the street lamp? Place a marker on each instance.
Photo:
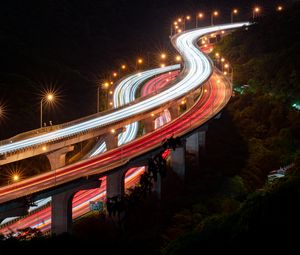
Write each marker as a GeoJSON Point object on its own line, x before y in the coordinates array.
{"type": "Point", "coordinates": [138, 62]}
{"type": "Point", "coordinates": [163, 56]}
{"type": "Point", "coordinates": [200, 15]}
{"type": "Point", "coordinates": [178, 58]}
{"type": "Point", "coordinates": [187, 18]}
{"type": "Point", "coordinates": [233, 12]}
{"type": "Point", "coordinates": [255, 12]}
{"type": "Point", "coordinates": [213, 14]}
{"type": "Point", "coordinates": [48, 98]}
{"type": "Point", "coordinates": [279, 8]}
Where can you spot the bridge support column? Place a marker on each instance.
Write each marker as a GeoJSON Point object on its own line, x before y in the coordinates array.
{"type": "Point", "coordinates": [61, 207]}
{"type": "Point", "coordinates": [174, 111]}
{"type": "Point", "coordinates": [156, 185]}
{"type": "Point", "coordinates": [57, 158]}
{"type": "Point", "coordinates": [115, 184]}
{"type": "Point", "coordinates": [190, 101]}
{"type": "Point", "coordinates": [149, 124]}
{"type": "Point", "coordinates": [111, 139]}
{"type": "Point", "coordinates": [178, 160]}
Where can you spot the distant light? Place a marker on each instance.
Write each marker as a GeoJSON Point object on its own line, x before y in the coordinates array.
{"type": "Point", "coordinates": [113, 131]}
{"type": "Point", "coordinates": [163, 55]}
{"type": "Point", "coordinates": [123, 67]}
{"type": "Point", "coordinates": [296, 106]}
{"type": "Point", "coordinates": [44, 148]}
{"type": "Point", "coordinates": [178, 58]}
{"type": "Point", "coordinates": [16, 177]}
{"type": "Point", "coordinates": [222, 32]}
{"type": "Point", "coordinates": [226, 65]}
{"type": "Point", "coordinates": [152, 114]}
{"type": "Point", "coordinates": [110, 92]}
{"type": "Point", "coordinates": [205, 90]}
{"type": "Point", "coordinates": [225, 73]}
{"type": "Point", "coordinates": [217, 54]}
{"type": "Point", "coordinates": [50, 97]}
{"type": "Point", "coordinates": [188, 17]}
{"type": "Point", "coordinates": [216, 13]}
{"type": "Point", "coordinates": [179, 20]}
{"type": "Point", "coordinates": [175, 23]}
{"type": "Point", "coordinates": [179, 30]}
{"type": "Point", "coordinates": [200, 15]}
{"type": "Point", "coordinates": [115, 74]}
{"type": "Point", "coordinates": [162, 65]}
{"type": "Point", "coordinates": [222, 59]}
{"type": "Point", "coordinates": [182, 101]}
{"type": "Point", "coordinates": [279, 8]}
{"type": "Point", "coordinates": [140, 61]}
{"type": "Point", "coordinates": [235, 11]}
{"type": "Point", "coordinates": [257, 9]}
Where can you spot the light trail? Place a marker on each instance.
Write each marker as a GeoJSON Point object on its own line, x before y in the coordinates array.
{"type": "Point", "coordinates": [197, 70]}
{"type": "Point", "coordinates": [41, 219]}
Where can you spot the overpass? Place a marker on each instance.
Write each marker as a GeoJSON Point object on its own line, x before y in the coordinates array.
{"type": "Point", "coordinates": [215, 96]}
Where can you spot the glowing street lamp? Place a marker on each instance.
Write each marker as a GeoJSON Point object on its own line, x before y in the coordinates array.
{"type": "Point", "coordinates": [200, 15]}
{"type": "Point", "coordinates": [178, 58]}
{"type": "Point", "coordinates": [213, 14]}
{"type": "Point", "coordinates": [233, 12]}
{"type": "Point", "coordinates": [255, 12]}
{"type": "Point", "coordinates": [279, 8]}
{"type": "Point", "coordinates": [47, 98]}
{"type": "Point", "coordinates": [2, 111]}
{"type": "Point", "coordinates": [163, 56]}
{"type": "Point", "coordinates": [123, 67]}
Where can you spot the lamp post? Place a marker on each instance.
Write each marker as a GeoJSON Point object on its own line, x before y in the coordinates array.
{"type": "Point", "coordinates": [279, 8]}
{"type": "Point", "coordinates": [49, 98]}
{"type": "Point", "coordinates": [200, 15]}
{"type": "Point", "coordinates": [233, 12]}
{"type": "Point", "coordinates": [255, 12]}
{"type": "Point", "coordinates": [139, 61]}
{"type": "Point", "coordinates": [213, 14]}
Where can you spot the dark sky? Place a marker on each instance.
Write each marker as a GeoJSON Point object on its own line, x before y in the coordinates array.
{"type": "Point", "coordinates": [65, 44]}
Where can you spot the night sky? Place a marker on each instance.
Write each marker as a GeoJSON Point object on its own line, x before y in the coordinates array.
{"type": "Point", "coordinates": [68, 45]}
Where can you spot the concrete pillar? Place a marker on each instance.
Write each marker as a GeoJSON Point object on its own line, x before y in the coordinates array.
{"type": "Point", "coordinates": [174, 111]}
{"type": "Point", "coordinates": [190, 101]}
{"type": "Point", "coordinates": [156, 185]}
{"type": "Point", "coordinates": [178, 161]}
{"type": "Point", "coordinates": [57, 158]}
{"type": "Point", "coordinates": [61, 207]}
{"type": "Point", "coordinates": [149, 124]}
{"type": "Point", "coordinates": [115, 184]}
{"type": "Point", "coordinates": [111, 138]}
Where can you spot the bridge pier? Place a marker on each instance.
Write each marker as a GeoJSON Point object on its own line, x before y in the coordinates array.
{"type": "Point", "coordinates": [174, 111]}
{"type": "Point", "coordinates": [149, 124]}
{"type": "Point", "coordinates": [192, 146]}
{"type": "Point", "coordinates": [190, 101]}
{"type": "Point", "coordinates": [178, 160]}
{"type": "Point", "coordinates": [61, 207]}
{"type": "Point", "coordinates": [57, 158]}
{"type": "Point", "coordinates": [115, 184]}
{"type": "Point", "coordinates": [111, 139]}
